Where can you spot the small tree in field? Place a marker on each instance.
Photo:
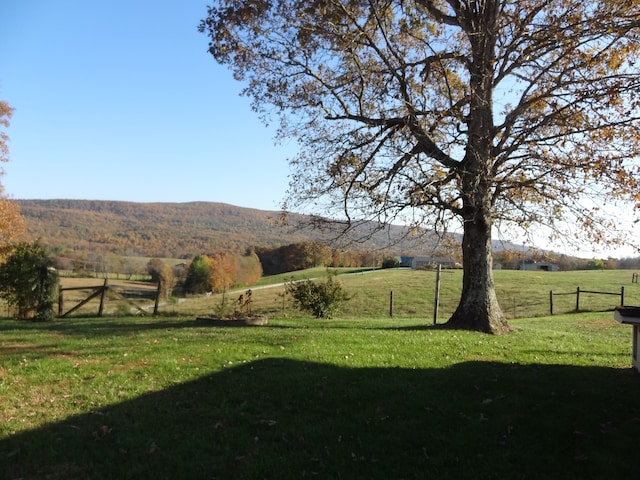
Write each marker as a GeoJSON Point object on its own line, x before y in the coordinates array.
{"type": "Point", "coordinates": [163, 274]}
{"type": "Point", "coordinates": [197, 280]}
{"type": "Point", "coordinates": [322, 299]}
{"type": "Point", "coordinates": [29, 282]}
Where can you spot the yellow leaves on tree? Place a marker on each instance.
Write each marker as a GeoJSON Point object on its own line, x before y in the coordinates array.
{"type": "Point", "coordinates": [222, 271]}
{"type": "Point", "coordinates": [11, 221]}
{"type": "Point", "coordinates": [5, 115]}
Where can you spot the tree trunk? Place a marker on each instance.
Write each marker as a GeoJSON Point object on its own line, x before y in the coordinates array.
{"type": "Point", "coordinates": [478, 309]}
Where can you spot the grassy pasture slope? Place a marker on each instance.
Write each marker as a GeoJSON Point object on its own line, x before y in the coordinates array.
{"type": "Point", "coordinates": [521, 293]}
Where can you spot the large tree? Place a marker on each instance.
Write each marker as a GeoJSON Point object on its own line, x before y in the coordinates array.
{"type": "Point", "coordinates": [488, 113]}
{"type": "Point", "coordinates": [11, 221]}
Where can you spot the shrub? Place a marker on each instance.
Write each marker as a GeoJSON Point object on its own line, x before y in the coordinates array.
{"type": "Point", "coordinates": [322, 299]}
{"type": "Point", "coordinates": [29, 282]}
{"type": "Point", "coordinates": [243, 306]}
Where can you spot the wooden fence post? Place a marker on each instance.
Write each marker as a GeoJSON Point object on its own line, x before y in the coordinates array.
{"type": "Point", "coordinates": [391, 304]}
{"type": "Point", "coordinates": [60, 303]}
{"type": "Point", "coordinates": [436, 303]}
{"type": "Point", "coordinates": [622, 296]}
{"type": "Point", "coordinates": [102, 296]}
{"type": "Point", "coordinates": [550, 302]}
{"type": "Point", "coordinates": [577, 299]}
{"type": "Point", "coordinates": [157, 302]}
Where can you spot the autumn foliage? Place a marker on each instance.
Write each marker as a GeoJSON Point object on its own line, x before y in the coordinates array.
{"type": "Point", "coordinates": [303, 255]}
{"type": "Point", "coordinates": [221, 271]}
{"type": "Point", "coordinates": [11, 221]}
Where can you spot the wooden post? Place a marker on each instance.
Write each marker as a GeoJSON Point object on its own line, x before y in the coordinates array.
{"type": "Point", "coordinates": [550, 302]}
{"type": "Point", "coordinates": [577, 299]}
{"type": "Point", "coordinates": [436, 303]}
{"type": "Point", "coordinates": [622, 296]}
{"type": "Point", "coordinates": [60, 303]}
{"type": "Point", "coordinates": [391, 304]}
{"type": "Point", "coordinates": [157, 302]}
{"type": "Point", "coordinates": [102, 296]}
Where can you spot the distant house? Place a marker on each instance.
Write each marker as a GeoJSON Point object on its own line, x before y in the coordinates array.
{"type": "Point", "coordinates": [422, 263]}
{"type": "Point", "coordinates": [542, 266]}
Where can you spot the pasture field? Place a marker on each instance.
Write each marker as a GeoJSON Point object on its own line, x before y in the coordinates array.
{"type": "Point", "coordinates": [521, 293]}
{"type": "Point", "coordinates": [367, 398]}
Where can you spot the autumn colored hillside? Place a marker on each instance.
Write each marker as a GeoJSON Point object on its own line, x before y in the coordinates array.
{"type": "Point", "coordinates": [152, 229]}
{"type": "Point", "coordinates": [175, 230]}
{"type": "Point", "coordinates": [183, 230]}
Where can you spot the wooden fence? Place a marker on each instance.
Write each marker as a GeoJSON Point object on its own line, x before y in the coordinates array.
{"type": "Point", "coordinates": [103, 292]}
{"type": "Point", "coordinates": [577, 294]}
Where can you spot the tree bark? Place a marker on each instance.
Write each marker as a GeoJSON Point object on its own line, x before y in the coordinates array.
{"type": "Point", "coordinates": [478, 309]}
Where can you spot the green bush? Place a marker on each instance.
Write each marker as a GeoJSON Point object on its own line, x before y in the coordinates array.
{"type": "Point", "coordinates": [322, 299]}
{"type": "Point", "coordinates": [29, 282]}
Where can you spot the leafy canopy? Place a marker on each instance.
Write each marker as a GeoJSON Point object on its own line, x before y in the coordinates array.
{"type": "Point", "coordinates": [391, 100]}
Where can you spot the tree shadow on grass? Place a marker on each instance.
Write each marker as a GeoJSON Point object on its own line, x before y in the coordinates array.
{"type": "Point", "coordinates": [286, 419]}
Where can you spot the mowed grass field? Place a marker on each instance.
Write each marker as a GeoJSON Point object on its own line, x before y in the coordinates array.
{"type": "Point", "coordinates": [359, 397]}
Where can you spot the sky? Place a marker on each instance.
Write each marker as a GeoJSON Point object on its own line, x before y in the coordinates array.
{"type": "Point", "coordinates": [120, 100]}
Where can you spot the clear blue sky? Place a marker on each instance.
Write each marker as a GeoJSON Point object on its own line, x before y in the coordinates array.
{"type": "Point", "coordinates": [119, 100]}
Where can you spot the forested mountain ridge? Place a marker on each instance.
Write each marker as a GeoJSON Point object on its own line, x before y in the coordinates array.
{"type": "Point", "coordinates": [153, 229]}
{"type": "Point", "coordinates": [183, 230]}
{"type": "Point", "coordinates": [177, 230]}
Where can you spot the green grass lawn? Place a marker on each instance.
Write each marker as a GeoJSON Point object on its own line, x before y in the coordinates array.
{"type": "Point", "coordinates": [368, 398]}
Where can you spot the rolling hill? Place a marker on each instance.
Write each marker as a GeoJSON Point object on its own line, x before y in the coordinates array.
{"type": "Point", "coordinates": [176, 230]}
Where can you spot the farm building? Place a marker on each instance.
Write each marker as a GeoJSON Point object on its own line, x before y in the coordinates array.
{"type": "Point", "coordinates": [542, 266]}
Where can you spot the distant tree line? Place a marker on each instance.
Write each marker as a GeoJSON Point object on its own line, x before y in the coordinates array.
{"type": "Point", "coordinates": [223, 270]}
{"type": "Point", "coordinates": [303, 255]}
